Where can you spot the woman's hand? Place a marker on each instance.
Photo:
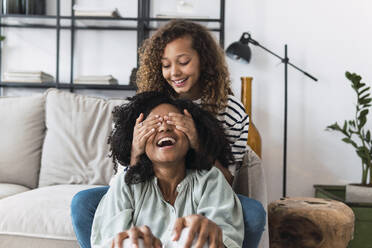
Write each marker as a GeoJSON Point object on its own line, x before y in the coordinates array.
{"type": "Point", "coordinates": [203, 227]}
{"type": "Point", "coordinates": [142, 132]}
{"type": "Point", "coordinates": [134, 234]}
{"type": "Point", "coordinates": [185, 123]}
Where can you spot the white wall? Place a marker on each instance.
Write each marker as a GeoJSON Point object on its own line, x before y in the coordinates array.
{"type": "Point", "coordinates": [325, 38]}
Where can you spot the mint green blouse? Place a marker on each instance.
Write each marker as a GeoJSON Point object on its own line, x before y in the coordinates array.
{"type": "Point", "coordinates": [201, 192]}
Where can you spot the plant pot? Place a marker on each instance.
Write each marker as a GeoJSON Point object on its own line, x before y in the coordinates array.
{"type": "Point", "coordinates": [362, 211]}
{"type": "Point", "coordinates": [358, 193]}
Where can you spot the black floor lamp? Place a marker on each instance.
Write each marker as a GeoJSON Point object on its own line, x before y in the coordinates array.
{"type": "Point", "coordinates": [240, 50]}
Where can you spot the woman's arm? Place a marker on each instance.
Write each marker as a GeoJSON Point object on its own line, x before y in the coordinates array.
{"type": "Point", "coordinates": [218, 202]}
{"type": "Point", "coordinates": [113, 215]}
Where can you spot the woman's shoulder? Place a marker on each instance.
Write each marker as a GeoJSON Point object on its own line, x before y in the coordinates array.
{"type": "Point", "coordinates": [206, 175]}
{"type": "Point", "coordinates": [119, 183]}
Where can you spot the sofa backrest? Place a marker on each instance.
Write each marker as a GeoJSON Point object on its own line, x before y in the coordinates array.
{"type": "Point", "coordinates": [75, 149]}
{"type": "Point", "coordinates": [22, 129]}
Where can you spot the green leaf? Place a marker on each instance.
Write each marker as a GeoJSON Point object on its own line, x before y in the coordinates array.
{"type": "Point", "coordinates": [362, 122]}
{"type": "Point", "coordinates": [354, 78]}
{"type": "Point", "coordinates": [349, 141]}
{"type": "Point", "coordinates": [363, 154]}
{"type": "Point", "coordinates": [363, 98]}
{"type": "Point", "coordinates": [334, 127]}
{"type": "Point", "coordinates": [363, 113]}
{"type": "Point", "coordinates": [344, 129]}
{"type": "Point", "coordinates": [368, 136]}
{"type": "Point", "coordinates": [364, 90]}
{"type": "Point", "coordinates": [364, 101]}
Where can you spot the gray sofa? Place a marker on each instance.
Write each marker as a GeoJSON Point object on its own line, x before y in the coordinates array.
{"type": "Point", "coordinates": [54, 145]}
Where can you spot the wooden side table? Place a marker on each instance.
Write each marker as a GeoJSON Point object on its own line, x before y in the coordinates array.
{"type": "Point", "coordinates": [310, 223]}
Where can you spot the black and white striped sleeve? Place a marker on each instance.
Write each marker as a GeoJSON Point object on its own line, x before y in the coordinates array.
{"type": "Point", "coordinates": [236, 122]}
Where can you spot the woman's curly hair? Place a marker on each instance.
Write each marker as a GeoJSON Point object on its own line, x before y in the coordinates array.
{"type": "Point", "coordinates": [214, 78]}
{"type": "Point", "coordinates": [212, 140]}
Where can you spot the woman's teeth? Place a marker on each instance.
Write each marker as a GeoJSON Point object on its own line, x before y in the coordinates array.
{"type": "Point", "coordinates": [166, 142]}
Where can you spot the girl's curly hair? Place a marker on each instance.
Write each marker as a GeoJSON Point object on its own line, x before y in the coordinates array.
{"type": "Point", "coordinates": [214, 78]}
{"type": "Point", "coordinates": [212, 140]}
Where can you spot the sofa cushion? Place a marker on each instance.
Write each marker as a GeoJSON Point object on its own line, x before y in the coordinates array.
{"type": "Point", "coordinates": [16, 241]}
{"type": "Point", "coordinates": [21, 133]}
{"type": "Point", "coordinates": [75, 148]}
{"type": "Point", "coordinates": [42, 212]}
{"type": "Point", "coordinates": [7, 189]}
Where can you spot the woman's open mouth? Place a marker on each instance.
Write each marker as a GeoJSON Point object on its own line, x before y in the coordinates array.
{"type": "Point", "coordinates": [166, 142]}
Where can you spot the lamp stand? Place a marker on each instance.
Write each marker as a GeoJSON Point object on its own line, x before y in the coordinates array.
{"type": "Point", "coordinates": [286, 62]}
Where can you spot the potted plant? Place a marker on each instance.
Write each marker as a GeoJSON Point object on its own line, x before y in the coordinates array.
{"type": "Point", "coordinates": [355, 133]}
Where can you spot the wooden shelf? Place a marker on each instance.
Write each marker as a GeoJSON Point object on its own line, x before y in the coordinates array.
{"type": "Point", "coordinates": [142, 24]}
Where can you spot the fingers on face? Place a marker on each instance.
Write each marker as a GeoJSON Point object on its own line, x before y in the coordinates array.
{"type": "Point", "coordinates": [146, 128]}
{"type": "Point", "coordinates": [180, 120]}
{"type": "Point", "coordinates": [139, 119]}
{"type": "Point", "coordinates": [151, 121]}
{"type": "Point", "coordinates": [187, 113]}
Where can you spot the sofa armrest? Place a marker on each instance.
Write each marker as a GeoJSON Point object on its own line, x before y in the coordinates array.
{"type": "Point", "coordinates": [250, 178]}
{"type": "Point", "coordinates": [250, 181]}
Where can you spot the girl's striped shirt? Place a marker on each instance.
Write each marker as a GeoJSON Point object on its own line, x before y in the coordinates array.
{"type": "Point", "coordinates": [235, 122]}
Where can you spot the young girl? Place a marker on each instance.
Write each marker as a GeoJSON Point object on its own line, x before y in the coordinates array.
{"type": "Point", "coordinates": [183, 60]}
{"type": "Point", "coordinates": [171, 182]}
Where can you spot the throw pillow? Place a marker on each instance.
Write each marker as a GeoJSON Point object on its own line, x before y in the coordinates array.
{"type": "Point", "coordinates": [75, 149]}
{"type": "Point", "coordinates": [21, 137]}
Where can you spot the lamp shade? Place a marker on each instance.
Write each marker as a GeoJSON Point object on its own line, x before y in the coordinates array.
{"type": "Point", "coordinates": [239, 51]}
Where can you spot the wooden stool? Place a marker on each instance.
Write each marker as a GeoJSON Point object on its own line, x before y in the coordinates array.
{"type": "Point", "coordinates": [310, 223]}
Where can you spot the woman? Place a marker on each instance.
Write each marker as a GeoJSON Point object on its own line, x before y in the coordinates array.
{"type": "Point", "coordinates": [170, 182]}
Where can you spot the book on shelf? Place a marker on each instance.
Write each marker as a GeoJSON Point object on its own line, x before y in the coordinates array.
{"type": "Point", "coordinates": [101, 79]}
{"type": "Point", "coordinates": [175, 15]}
{"type": "Point", "coordinates": [28, 77]}
{"type": "Point", "coordinates": [81, 11]}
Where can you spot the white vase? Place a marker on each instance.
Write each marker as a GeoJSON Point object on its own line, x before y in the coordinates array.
{"type": "Point", "coordinates": [358, 193]}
